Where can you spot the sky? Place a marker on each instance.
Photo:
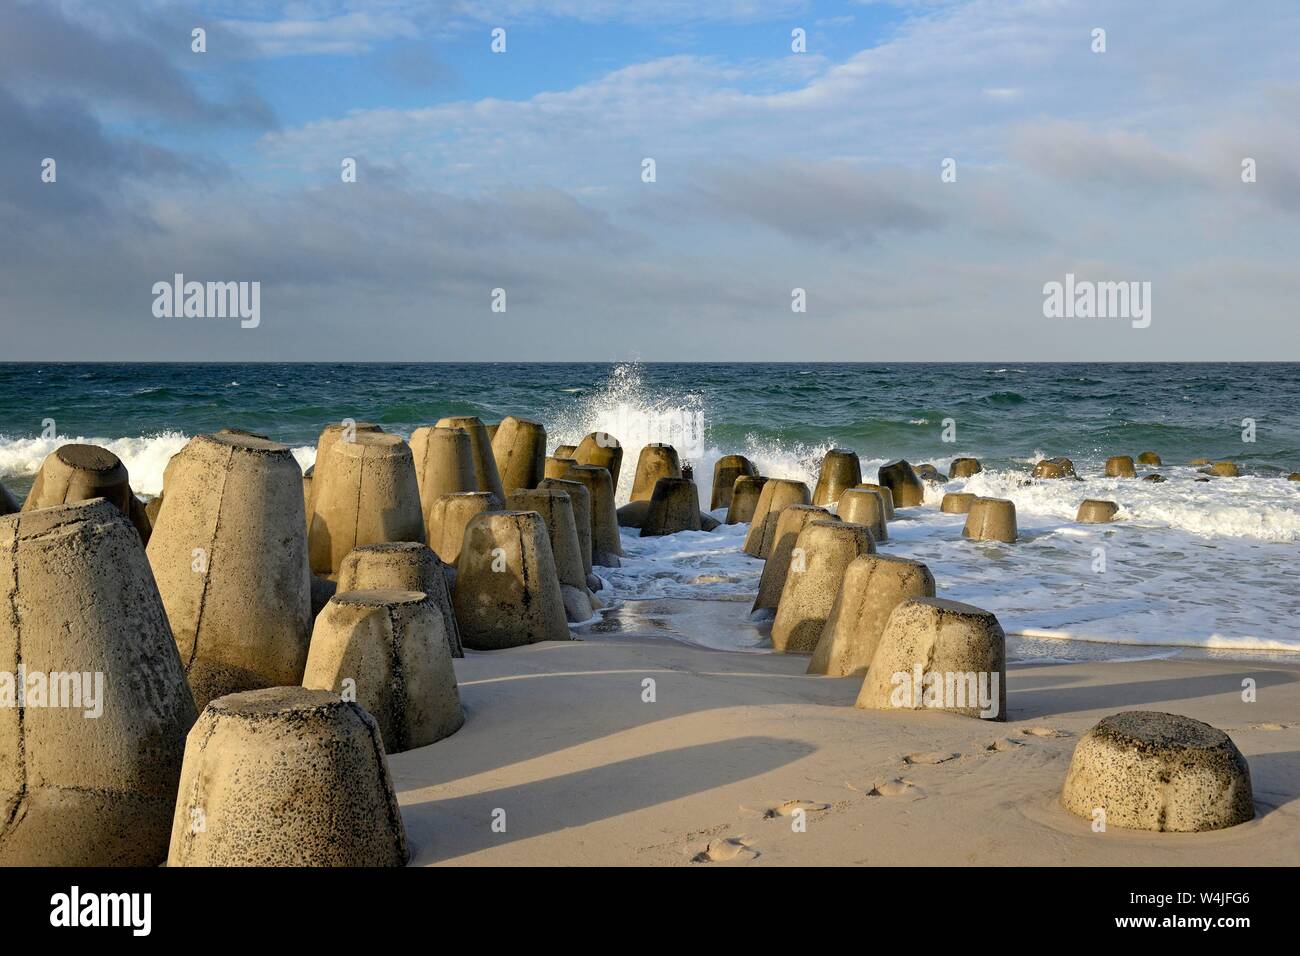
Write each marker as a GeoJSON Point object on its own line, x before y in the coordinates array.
{"type": "Point", "coordinates": [916, 175]}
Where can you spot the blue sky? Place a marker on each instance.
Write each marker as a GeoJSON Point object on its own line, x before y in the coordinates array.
{"type": "Point", "coordinates": [775, 171]}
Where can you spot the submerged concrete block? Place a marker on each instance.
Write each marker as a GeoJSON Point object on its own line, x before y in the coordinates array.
{"type": "Point", "coordinates": [286, 777]}
{"type": "Point", "coordinates": [1152, 771]}
{"type": "Point", "coordinates": [822, 553]}
{"type": "Point", "coordinates": [776, 496]}
{"type": "Point", "coordinates": [402, 566]}
{"type": "Point", "coordinates": [229, 553]}
{"type": "Point", "coordinates": [450, 515]}
{"type": "Point", "coordinates": [745, 492]}
{"type": "Point", "coordinates": [73, 473]}
{"type": "Point", "coordinates": [580, 503]}
{"type": "Point", "coordinates": [389, 651]}
{"type": "Point", "coordinates": [507, 589]}
{"type": "Point", "coordinates": [1149, 458]}
{"type": "Point", "coordinates": [656, 461]}
{"type": "Point", "coordinates": [939, 655]}
{"type": "Point", "coordinates": [1120, 466]}
{"type": "Point", "coordinates": [956, 502]}
{"type": "Point", "coordinates": [903, 483]}
{"type": "Point", "coordinates": [606, 547]}
{"type": "Point", "coordinates": [860, 506]}
{"type": "Point", "coordinates": [964, 467]}
{"type": "Point", "coordinates": [602, 450]}
{"type": "Point", "coordinates": [485, 464]}
{"type": "Point", "coordinates": [928, 472]}
{"type": "Point", "coordinates": [840, 471]}
{"type": "Point", "coordinates": [366, 493]}
{"type": "Point", "coordinates": [444, 465]}
{"type": "Point", "coordinates": [95, 704]}
{"type": "Point", "coordinates": [777, 566]}
{"type": "Point", "coordinates": [1224, 469]}
{"type": "Point", "coordinates": [725, 472]}
{"type": "Point", "coordinates": [519, 448]}
{"type": "Point", "coordinates": [874, 584]}
{"type": "Point", "coordinates": [674, 506]}
{"type": "Point", "coordinates": [885, 494]}
{"type": "Point", "coordinates": [991, 519]}
{"type": "Point", "coordinates": [1054, 468]}
{"type": "Point", "coordinates": [556, 509]}
{"type": "Point", "coordinates": [1094, 511]}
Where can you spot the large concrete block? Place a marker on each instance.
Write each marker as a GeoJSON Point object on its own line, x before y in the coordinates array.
{"type": "Point", "coordinates": [389, 651]}
{"type": "Point", "coordinates": [507, 590]}
{"type": "Point", "coordinates": [991, 519]}
{"type": "Point", "coordinates": [1152, 771]}
{"type": "Point", "coordinates": [402, 566]}
{"type": "Point", "coordinates": [957, 503]}
{"type": "Point", "coordinates": [1054, 468]}
{"type": "Point", "coordinates": [90, 758]}
{"type": "Point", "coordinates": [860, 506]}
{"type": "Point", "coordinates": [886, 496]}
{"type": "Point", "coordinates": [602, 450]}
{"type": "Point", "coordinates": [519, 448]}
{"type": "Point", "coordinates": [73, 473]}
{"type": "Point", "coordinates": [1094, 511]}
{"type": "Point", "coordinates": [444, 465]}
{"type": "Point", "coordinates": [939, 655]}
{"type": "Point", "coordinates": [674, 506]}
{"type": "Point", "coordinates": [903, 483]}
{"type": "Point", "coordinates": [286, 777]}
{"type": "Point", "coordinates": [229, 553]}
{"type": "Point", "coordinates": [777, 495]}
{"type": "Point", "coordinates": [330, 435]}
{"type": "Point", "coordinates": [873, 585]}
{"type": "Point", "coordinates": [1120, 466]}
{"type": "Point", "coordinates": [725, 472]}
{"type": "Point", "coordinates": [822, 553]}
{"type": "Point", "coordinates": [606, 547]}
{"type": "Point", "coordinates": [486, 472]}
{"type": "Point", "coordinates": [450, 515]}
{"type": "Point", "coordinates": [556, 509]}
{"type": "Point", "coordinates": [580, 502]}
{"type": "Point", "coordinates": [964, 467]}
{"type": "Point", "coordinates": [1148, 458]}
{"type": "Point", "coordinates": [840, 471]}
{"type": "Point", "coordinates": [366, 493]}
{"type": "Point", "coordinates": [745, 492]}
{"type": "Point", "coordinates": [656, 461]}
{"type": "Point", "coordinates": [777, 566]}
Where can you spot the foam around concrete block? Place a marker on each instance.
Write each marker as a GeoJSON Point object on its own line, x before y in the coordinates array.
{"type": "Point", "coordinates": [991, 519]}
{"type": "Point", "coordinates": [745, 493]}
{"type": "Point", "coordinates": [519, 448]}
{"type": "Point", "coordinates": [725, 472]}
{"type": "Point", "coordinates": [78, 789]}
{"type": "Point", "coordinates": [1153, 771]}
{"type": "Point", "coordinates": [1054, 468]}
{"type": "Point", "coordinates": [1120, 466]}
{"type": "Point", "coordinates": [507, 590]}
{"type": "Point", "coordinates": [822, 553]}
{"type": "Point", "coordinates": [389, 651]}
{"type": "Point", "coordinates": [229, 553]}
{"type": "Point", "coordinates": [656, 461]}
{"type": "Point", "coordinates": [874, 584]}
{"type": "Point", "coordinates": [964, 467]}
{"type": "Point", "coordinates": [777, 566]}
{"type": "Point", "coordinates": [860, 506]}
{"type": "Point", "coordinates": [840, 471]}
{"type": "Point", "coordinates": [958, 649]}
{"type": "Point", "coordinates": [286, 777]}
{"type": "Point", "coordinates": [1094, 511]}
{"type": "Point", "coordinates": [402, 566]}
{"type": "Point", "coordinates": [486, 473]}
{"type": "Point", "coordinates": [903, 483]}
{"type": "Point", "coordinates": [777, 495]}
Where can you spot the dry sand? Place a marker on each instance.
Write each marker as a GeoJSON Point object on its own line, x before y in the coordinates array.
{"type": "Point", "coordinates": [558, 736]}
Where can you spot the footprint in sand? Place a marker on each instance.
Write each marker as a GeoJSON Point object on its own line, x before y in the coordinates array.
{"type": "Point", "coordinates": [932, 757]}
{"type": "Point", "coordinates": [898, 787]}
{"type": "Point", "coordinates": [1268, 725]}
{"type": "Point", "coordinates": [788, 808]}
{"type": "Point", "coordinates": [720, 851]}
{"type": "Point", "coordinates": [1043, 732]}
{"type": "Point", "coordinates": [1003, 745]}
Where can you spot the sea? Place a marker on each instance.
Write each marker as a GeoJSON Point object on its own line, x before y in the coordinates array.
{"type": "Point", "coordinates": [1211, 566]}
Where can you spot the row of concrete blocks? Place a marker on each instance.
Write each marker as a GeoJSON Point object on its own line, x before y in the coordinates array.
{"type": "Point", "coordinates": [863, 614]}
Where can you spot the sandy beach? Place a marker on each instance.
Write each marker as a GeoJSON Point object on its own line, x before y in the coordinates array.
{"type": "Point", "coordinates": [558, 736]}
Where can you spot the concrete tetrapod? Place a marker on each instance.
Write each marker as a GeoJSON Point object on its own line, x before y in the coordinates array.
{"type": "Point", "coordinates": [939, 655]}
{"type": "Point", "coordinates": [1149, 458]}
{"type": "Point", "coordinates": [73, 473]}
{"type": "Point", "coordinates": [1151, 771]}
{"type": "Point", "coordinates": [444, 464]}
{"type": "Point", "coordinates": [96, 707]}
{"type": "Point", "coordinates": [565, 451]}
{"type": "Point", "coordinates": [777, 566]}
{"type": "Point", "coordinates": [674, 506]}
{"type": "Point", "coordinates": [580, 502]}
{"type": "Point", "coordinates": [390, 649]}
{"type": "Point", "coordinates": [885, 494]}
{"type": "Point", "coordinates": [507, 590]}
{"type": "Point", "coordinates": [330, 436]}
{"type": "Point", "coordinates": [840, 471]}
{"type": "Point", "coordinates": [991, 519]}
{"type": "Point", "coordinates": [402, 566]}
{"type": "Point", "coordinates": [902, 482]}
{"type": "Point", "coordinates": [825, 549]}
{"type": "Point", "coordinates": [745, 494]}
{"type": "Point", "coordinates": [602, 450]}
{"type": "Point", "coordinates": [229, 553]}
{"type": "Point", "coordinates": [964, 467]}
{"type": "Point", "coordinates": [606, 547]}
{"type": "Point", "coordinates": [1120, 466]}
{"type": "Point", "coordinates": [450, 515]}
{"type": "Point", "coordinates": [1224, 469]}
{"type": "Point", "coordinates": [286, 776]}
{"type": "Point", "coordinates": [485, 464]}
{"type": "Point", "coordinates": [873, 586]}
{"type": "Point", "coordinates": [1094, 511]}
{"type": "Point", "coordinates": [556, 509]}
{"type": "Point", "coordinates": [656, 461]}
{"type": "Point", "coordinates": [860, 506]}
{"type": "Point", "coordinates": [725, 472]}
{"type": "Point", "coordinates": [1054, 468]}
{"type": "Point", "coordinates": [367, 493]}
{"type": "Point", "coordinates": [519, 448]}
{"type": "Point", "coordinates": [777, 495]}
{"type": "Point", "coordinates": [957, 503]}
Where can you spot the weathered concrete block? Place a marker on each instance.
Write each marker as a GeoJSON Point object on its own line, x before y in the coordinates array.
{"type": "Point", "coordinates": [777, 566]}
{"type": "Point", "coordinates": [450, 515]}
{"type": "Point", "coordinates": [776, 496]}
{"type": "Point", "coordinates": [401, 566]}
{"type": "Point", "coordinates": [519, 448]}
{"type": "Point", "coordinates": [928, 472]}
{"type": "Point", "coordinates": [444, 465]}
{"type": "Point", "coordinates": [286, 777]}
{"type": "Point", "coordinates": [874, 584]}
{"type": "Point", "coordinates": [822, 553]}
{"type": "Point", "coordinates": [602, 450]}
{"type": "Point", "coordinates": [1224, 469]}
{"type": "Point", "coordinates": [330, 435]}
{"type": "Point", "coordinates": [580, 502]}
{"type": "Point", "coordinates": [1149, 458]}
{"type": "Point", "coordinates": [745, 493]}
{"type": "Point", "coordinates": [885, 494]}
{"type": "Point", "coordinates": [840, 471]}
{"type": "Point", "coordinates": [485, 463]}
{"type": "Point", "coordinates": [957, 502]}
{"type": "Point", "coordinates": [860, 506]}
{"type": "Point", "coordinates": [1120, 466]}
{"type": "Point", "coordinates": [96, 707]}
{"type": "Point", "coordinates": [1093, 511]}
{"type": "Point", "coordinates": [606, 547]}
{"type": "Point", "coordinates": [556, 509]}
{"type": "Point", "coordinates": [903, 482]}
{"type": "Point", "coordinates": [656, 461]}
{"type": "Point", "coordinates": [725, 472]}
{"type": "Point", "coordinates": [674, 506]}
{"type": "Point", "coordinates": [73, 473]}
{"type": "Point", "coordinates": [1054, 468]}
{"type": "Point", "coordinates": [991, 519]}
{"type": "Point", "coordinates": [1152, 771]}
{"type": "Point", "coordinates": [964, 467]}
